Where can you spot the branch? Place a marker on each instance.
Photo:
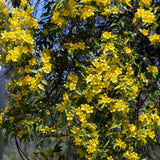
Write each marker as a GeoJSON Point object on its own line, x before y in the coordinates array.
{"type": "Point", "coordinates": [21, 152]}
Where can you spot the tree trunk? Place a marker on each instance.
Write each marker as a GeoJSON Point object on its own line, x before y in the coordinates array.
{"type": "Point", "coordinates": [2, 103]}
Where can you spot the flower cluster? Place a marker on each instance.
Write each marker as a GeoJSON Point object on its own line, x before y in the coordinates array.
{"type": "Point", "coordinates": [102, 84]}
{"type": "Point", "coordinates": [145, 2]}
{"type": "Point", "coordinates": [146, 15]}
{"type": "Point", "coordinates": [154, 39]}
{"type": "Point", "coordinates": [152, 69]}
{"type": "Point", "coordinates": [46, 58]}
{"type": "Point", "coordinates": [72, 82]}
{"type": "Point", "coordinates": [76, 46]}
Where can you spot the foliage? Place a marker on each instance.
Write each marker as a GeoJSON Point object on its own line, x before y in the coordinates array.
{"type": "Point", "coordinates": [3, 18]}
{"type": "Point", "coordinates": [88, 70]}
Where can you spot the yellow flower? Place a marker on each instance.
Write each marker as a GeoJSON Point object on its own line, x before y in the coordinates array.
{"type": "Point", "coordinates": [150, 133]}
{"type": "Point", "coordinates": [143, 117]}
{"type": "Point", "coordinates": [145, 32]}
{"type": "Point", "coordinates": [47, 129]}
{"type": "Point", "coordinates": [154, 38]}
{"type": "Point", "coordinates": [21, 133]}
{"type": "Point", "coordinates": [142, 135]}
{"type": "Point", "coordinates": [14, 55]}
{"type": "Point", "coordinates": [23, 3]}
{"type": "Point", "coordinates": [145, 15]}
{"type": "Point", "coordinates": [47, 67]}
{"type": "Point", "coordinates": [69, 116]}
{"type": "Point", "coordinates": [87, 1]}
{"type": "Point", "coordinates": [132, 130]}
{"type": "Point", "coordinates": [17, 105]}
{"type": "Point", "coordinates": [27, 69]}
{"type": "Point", "coordinates": [106, 11]}
{"type": "Point", "coordinates": [119, 106]}
{"type": "Point", "coordinates": [145, 2]}
{"type": "Point", "coordinates": [128, 50]}
{"type": "Point", "coordinates": [6, 110]}
{"type": "Point", "coordinates": [60, 108]}
{"type": "Point", "coordinates": [87, 108]}
{"type": "Point", "coordinates": [131, 155]}
{"type": "Point", "coordinates": [89, 78]}
{"type": "Point", "coordinates": [110, 158]}
{"type": "Point", "coordinates": [92, 145]}
{"type": "Point", "coordinates": [77, 141]}
{"type": "Point", "coordinates": [106, 2]}
{"type": "Point", "coordinates": [114, 10]}
{"type": "Point", "coordinates": [106, 35]}
{"type": "Point", "coordinates": [152, 69]}
{"type": "Point", "coordinates": [72, 82]}
{"type": "Point", "coordinates": [56, 18]}
{"type": "Point", "coordinates": [120, 143]}
{"type": "Point", "coordinates": [18, 97]}
{"type": "Point", "coordinates": [105, 99]}
{"type": "Point", "coordinates": [45, 31]}
{"type": "Point", "coordinates": [108, 46]}
{"type": "Point", "coordinates": [86, 12]}
{"type": "Point", "coordinates": [24, 92]}
{"type": "Point", "coordinates": [76, 46]}
{"type": "Point", "coordinates": [32, 61]}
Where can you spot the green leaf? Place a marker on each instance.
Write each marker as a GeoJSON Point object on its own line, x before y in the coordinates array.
{"type": "Point", "coordinates": [41, 87]}
{"type": "Point", "coordinates": [96, 42]}
{"type": "Point", "coordinates": [113, 24]}
{"type": "Point", "coordinates": [78, 93]}
{"type": "Point", "coordinates": [115, 128]}
{"type": "Point", "coordinates": [122, 24]}
{"type": "Point", "coordinates": [106, 144]}
{"type": "Point", "coordinates": [45, 82]}
{"type": "Point", "coordinates": [34, 71]}
{"type": "Point", "coordinates": [59, 4]}
{"type": "Point", "coordinates": [28, 129]}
